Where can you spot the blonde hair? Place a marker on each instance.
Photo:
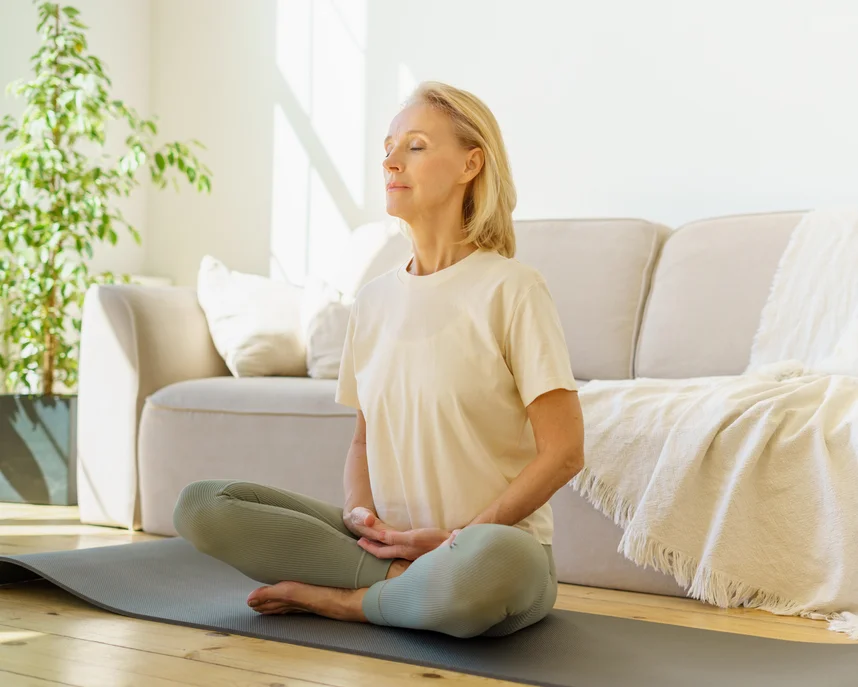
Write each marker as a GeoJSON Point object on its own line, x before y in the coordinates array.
{"type": "Point", "coordinates": [491, 196]}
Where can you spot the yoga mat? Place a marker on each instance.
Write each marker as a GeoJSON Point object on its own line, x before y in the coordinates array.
{"type": "Point", "coordinates": [170, 581]}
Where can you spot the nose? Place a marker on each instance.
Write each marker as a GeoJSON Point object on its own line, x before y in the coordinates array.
{"type": "Point", "coordinates": [392, 163]}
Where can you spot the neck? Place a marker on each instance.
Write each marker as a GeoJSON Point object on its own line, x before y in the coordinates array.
{"type": "Point", "coordinates": [434, 241]}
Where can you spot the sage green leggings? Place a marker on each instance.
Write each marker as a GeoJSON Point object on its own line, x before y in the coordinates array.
{"type": "Point", "coordinates": [493, 581]}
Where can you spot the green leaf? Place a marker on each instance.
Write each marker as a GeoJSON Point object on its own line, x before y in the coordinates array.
{"type": "Point", "coordinates": [66, 97]}
{"type": "Point", "coordinates": [56, 204]}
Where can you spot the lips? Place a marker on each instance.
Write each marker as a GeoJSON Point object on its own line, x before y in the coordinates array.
{"type": "Point", "coordinates": [396, 187]}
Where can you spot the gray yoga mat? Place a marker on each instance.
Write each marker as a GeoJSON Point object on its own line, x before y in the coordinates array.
{"type": "Point", "coordinates": [170, 581]}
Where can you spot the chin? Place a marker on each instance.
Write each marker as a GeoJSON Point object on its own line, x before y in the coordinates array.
{"type": "Point", "coordinates": [394, 210]}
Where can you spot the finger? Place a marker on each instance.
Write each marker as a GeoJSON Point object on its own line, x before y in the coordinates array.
{"type": "Point", "coordinates": [369, 545]}
{"type": "Point", "coordinates": [451, 539]}
{"type": "Point", "coordinates": [393, 537]}
{"type": "Point", "coordinates": [392, 552]}
{"type": "Point", "coordinates": [382, 525]}
{"type": "Point", "coordinates": [382, 550]}
{"type": "Point", "coordinates": [370, 533]}
{"type": "Point", "coordinates": [360, 515]}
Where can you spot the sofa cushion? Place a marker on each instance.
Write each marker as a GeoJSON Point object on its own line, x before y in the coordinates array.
{"type": "Point", "coordinates": [708, 290]}
{"type": "Point", "coordinates": [598, 272]}
{"type": "Point", "coordinates": [285, 432]}
{"type": "Point", "coordinates": [252, 395]}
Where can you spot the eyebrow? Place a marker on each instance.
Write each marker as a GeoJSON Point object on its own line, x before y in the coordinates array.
{"type": "Point", "coordinates": [411, 131]}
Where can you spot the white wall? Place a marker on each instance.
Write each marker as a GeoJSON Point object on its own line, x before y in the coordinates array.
{"type": "Point", "coordinates": [119, 34]}
{"type": "Point", "coordinates": [666, 110]}
{"type": "Point", "coordinates": [212, 65]}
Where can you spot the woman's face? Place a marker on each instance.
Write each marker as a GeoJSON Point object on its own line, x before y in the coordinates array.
{"type": "Point", "coordinates": [425, 166]}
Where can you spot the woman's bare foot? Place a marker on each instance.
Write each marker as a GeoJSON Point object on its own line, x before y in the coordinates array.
{"type": "Point", "coordinates": [297, 597]}
{"type": "Point", "coordinates": [399, 566]}
{"type": "Point", "coordinates": [331, 602]}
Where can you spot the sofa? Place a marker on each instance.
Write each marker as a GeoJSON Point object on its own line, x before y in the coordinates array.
{"type": "Point", "coordinates": [158, 408]}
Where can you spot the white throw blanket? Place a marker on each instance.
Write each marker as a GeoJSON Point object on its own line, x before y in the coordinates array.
{"type": "Point", "coordinates": [745, 488]}
{"type": "Point", "coordinates": [811, 314]}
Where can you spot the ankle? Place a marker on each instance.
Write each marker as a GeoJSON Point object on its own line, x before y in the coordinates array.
{"type": "Point", "coordinates": [399, 566]}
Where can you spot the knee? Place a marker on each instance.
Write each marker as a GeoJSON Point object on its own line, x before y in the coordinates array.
{"type": "Point", "coordinates": [196, 512]}
{"type": "Point", "coordinates": [506, 569]}
{"type": "Point", "coordinates": [504, 549]}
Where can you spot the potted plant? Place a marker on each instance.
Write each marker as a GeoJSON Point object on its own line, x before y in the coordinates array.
{"type": "Point", "coordinates": [56, 204]}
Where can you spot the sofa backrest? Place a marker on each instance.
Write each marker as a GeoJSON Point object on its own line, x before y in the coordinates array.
{"type": "Point", "coordinates": [708, 290]}
{"type": "Point", "coordinates": [598, 272]}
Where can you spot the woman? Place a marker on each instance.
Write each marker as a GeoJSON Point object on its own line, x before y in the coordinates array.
{"type": "Point", "coordinates": [468, 418]}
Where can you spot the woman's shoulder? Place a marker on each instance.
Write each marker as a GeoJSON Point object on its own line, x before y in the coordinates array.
{"type": "Point", "coordinates": [377, 286]}
{"type": "Point", "coordinates": [514, 276]}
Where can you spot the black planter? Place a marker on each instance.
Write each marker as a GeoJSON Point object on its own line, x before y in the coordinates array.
{"type": "Point", "coordinates": [38, 449]}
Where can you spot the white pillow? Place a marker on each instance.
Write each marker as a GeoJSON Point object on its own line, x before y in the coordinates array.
{"type": "Point", "coordinates": [255, 322]}
{"type": "Point", "coordinates": [324, 319]}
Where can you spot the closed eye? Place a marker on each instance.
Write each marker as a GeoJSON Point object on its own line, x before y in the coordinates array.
{"type": "Point", "coordinates": [388, 154]}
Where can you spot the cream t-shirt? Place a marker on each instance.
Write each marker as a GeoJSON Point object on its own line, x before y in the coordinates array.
{"type": "Point", "coordinates": [443, 366]}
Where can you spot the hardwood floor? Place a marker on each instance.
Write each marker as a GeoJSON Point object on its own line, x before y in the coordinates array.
{"type": "Point", "coordinates": [49, 637]}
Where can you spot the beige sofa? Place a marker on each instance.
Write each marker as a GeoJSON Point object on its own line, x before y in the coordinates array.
{"type": "Point", "coordinates": [158, 408]}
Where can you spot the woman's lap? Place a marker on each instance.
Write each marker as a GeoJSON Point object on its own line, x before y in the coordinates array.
{"type": "Point", "coordinates": [495, 579]}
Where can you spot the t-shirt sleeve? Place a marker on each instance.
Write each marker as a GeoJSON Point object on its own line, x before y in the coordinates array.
{"type": "Point", "coordinates": [346, 393]}
{"type": "Point", "coordinates": [536, 346]}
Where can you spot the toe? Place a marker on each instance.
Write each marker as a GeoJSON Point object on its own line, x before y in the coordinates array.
{"type": "Point", "coordinates": [263, 607]}
{"type": "Point", "coordinates": [258, 596]}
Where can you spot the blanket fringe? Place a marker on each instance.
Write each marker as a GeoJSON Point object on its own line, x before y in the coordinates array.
{"type": "Point", "coordinates": [705, 584]}
{"type": "Point", "coordinates": [605, 499]}
{"type": "Point", "coordinates": [844, 622]}
{"type": "Point", "coordinates": [702, 583]}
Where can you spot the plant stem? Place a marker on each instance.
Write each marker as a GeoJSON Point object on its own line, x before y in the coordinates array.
{"type": "Point", "coordinates": [48, 362]}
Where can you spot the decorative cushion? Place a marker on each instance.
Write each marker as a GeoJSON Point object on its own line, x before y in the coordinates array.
{"type": "Point", "coordinates": [254, 321]}
{"type": "Point", "coordinates": [709, 287]}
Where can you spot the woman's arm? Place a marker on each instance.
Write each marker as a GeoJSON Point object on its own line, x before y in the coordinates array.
{"type": "Point", "coordinates": [356, 475]}
{"type": "Point", "coordinates": [359, 513]}
{"type": "Point", "coordinates": [558, 428]}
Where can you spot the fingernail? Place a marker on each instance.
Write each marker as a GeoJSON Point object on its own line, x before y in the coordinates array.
{"type": "Point", "coordinates": [253, 603]}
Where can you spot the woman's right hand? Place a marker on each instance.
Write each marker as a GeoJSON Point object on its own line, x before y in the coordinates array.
{"type": "Point", "coordinates": [364, 523]}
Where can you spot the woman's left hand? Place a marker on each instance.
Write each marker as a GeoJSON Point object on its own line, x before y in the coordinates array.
{"type": "Point", "coordinates": [409, 545]}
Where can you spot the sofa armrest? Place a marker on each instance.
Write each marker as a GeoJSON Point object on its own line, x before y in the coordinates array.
{"type": "Point", "coordinates": [134, 341]}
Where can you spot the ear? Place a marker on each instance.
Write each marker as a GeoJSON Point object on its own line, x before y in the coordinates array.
{"type": "Point", "coordinates": [474, 161]}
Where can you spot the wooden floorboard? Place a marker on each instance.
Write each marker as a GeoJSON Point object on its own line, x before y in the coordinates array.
{"type": "Point", "coordinates": [50, 637]}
